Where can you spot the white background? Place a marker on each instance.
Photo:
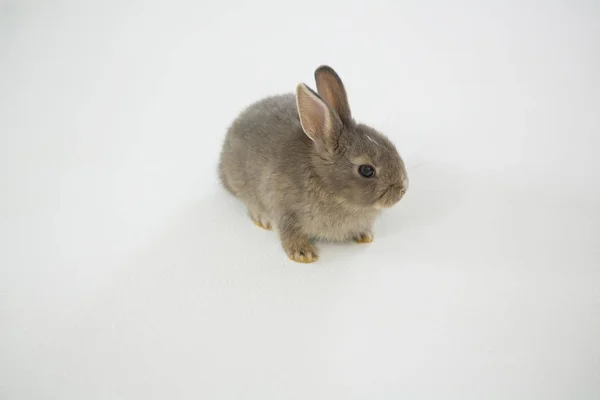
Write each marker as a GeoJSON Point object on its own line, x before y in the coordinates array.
{"type": "Point", "coordinates": [126, 272]}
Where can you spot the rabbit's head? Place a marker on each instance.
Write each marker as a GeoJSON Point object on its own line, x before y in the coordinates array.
{"type": "Point", "coordinates": [354, 161]}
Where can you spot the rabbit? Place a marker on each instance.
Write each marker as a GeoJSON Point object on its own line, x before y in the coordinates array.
{"type": "Point", "coordinates": [303, 166]}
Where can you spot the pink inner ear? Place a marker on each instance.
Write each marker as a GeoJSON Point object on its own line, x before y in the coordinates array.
{"type": "Point", "coordinates": [319, 113]}
{"type": "Point", "coordinates": [313, 114]}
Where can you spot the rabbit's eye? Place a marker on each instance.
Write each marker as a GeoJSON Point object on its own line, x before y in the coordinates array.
{"type": "Point", "coordinates": [366, 170]}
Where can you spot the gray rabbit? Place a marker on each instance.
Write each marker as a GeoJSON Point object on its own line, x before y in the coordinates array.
{"type": "Point", "coordinates": [302, 165]}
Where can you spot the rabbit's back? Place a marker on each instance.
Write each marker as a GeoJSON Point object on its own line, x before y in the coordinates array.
{"type": "Point", "coordinates": [260, 141]}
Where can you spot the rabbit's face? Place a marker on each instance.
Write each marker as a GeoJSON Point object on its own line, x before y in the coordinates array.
{"type": "Point", "coordinates": [365, 169]}
{"type": "Point", "coordinates": [356, 163]}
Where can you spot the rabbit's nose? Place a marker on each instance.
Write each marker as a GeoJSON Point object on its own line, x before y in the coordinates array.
{"type": "Point", "coordinates": [392, 195]}
{"type": "Point", "coordinates": [398, 190]}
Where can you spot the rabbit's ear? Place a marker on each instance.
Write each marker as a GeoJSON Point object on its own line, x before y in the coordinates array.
{"type": "Point", "coordinates": [318, 120]}
{"type": "Point", "coordinates": [331, 88]}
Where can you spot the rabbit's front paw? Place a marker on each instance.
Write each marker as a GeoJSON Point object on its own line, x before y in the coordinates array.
{"type": "Point", "coordinates": [364, 237]}
{"type": "Point", "coordinates": [302, 252]}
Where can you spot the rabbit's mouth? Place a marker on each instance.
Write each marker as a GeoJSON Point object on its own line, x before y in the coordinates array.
{"type": "Point", "coordinates": [390, 196]}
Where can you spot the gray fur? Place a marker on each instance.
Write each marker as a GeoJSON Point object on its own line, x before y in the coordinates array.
{"type": "Point", "coordinates": [310, 189]}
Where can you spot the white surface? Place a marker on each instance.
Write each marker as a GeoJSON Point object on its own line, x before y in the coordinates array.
{"type": "Point", "coordinates": [126, 272]}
